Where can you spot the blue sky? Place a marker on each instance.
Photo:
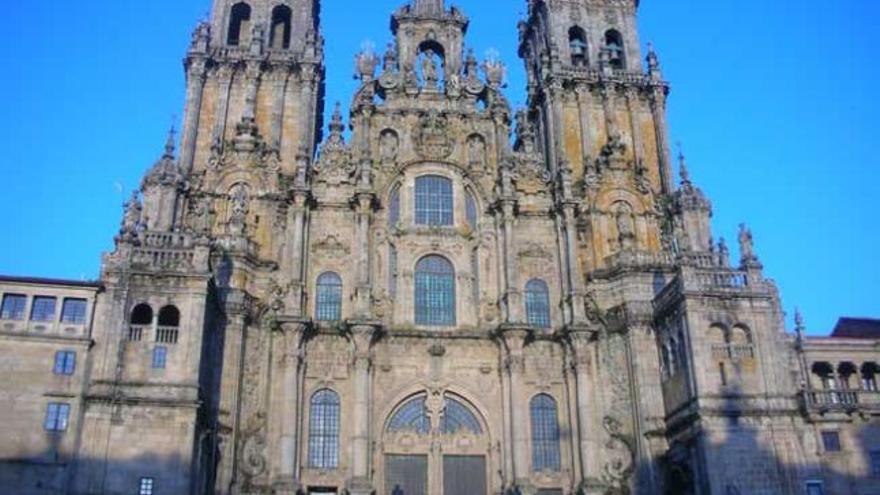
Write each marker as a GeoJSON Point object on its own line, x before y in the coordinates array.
{"type": "Point", "coordinates": [775, 103]}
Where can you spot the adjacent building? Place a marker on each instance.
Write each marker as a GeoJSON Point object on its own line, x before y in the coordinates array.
{"type": "Point", "coordinates": [455, 297]}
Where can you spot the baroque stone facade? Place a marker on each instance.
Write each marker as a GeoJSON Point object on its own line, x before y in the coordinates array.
{"type": "Point", "coordinates": [428, 306]}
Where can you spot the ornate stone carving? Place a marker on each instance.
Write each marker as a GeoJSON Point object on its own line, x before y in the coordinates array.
{"type": "Point", "coordinates": [433, 137]}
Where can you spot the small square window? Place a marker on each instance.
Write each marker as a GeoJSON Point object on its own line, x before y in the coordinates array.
{"type": "Point", "coordinates": [815, 488]}
{"type": "Point", "coordinates": [831, 441]}
{"type": "Point", "coordinates": [65, 363]}
{"type": "Point", "coordinates": [875, 463]}
{"type": "Point", "coordinates": [146, 486]}
{"type": "Point", "coordinates": [160, 357]}
{"type": "Point", "coordinates": [74, 311]}
{"type": "Point", "coordinates": [43, 309]}
{"type": "Point", "coordinates": [13, 307]}
{"type": "Point", "coordinates": [57, 415]}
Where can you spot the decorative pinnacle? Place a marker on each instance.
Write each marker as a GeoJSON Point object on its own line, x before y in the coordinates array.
{"type": "Point", "coordinates": [799, 326]}
{"type": "Point", "coordinates": [336, 124]}
{"type": "Point", "coordinates": [682, 167]}
{"type": "Point", "coordinates": [169, 143]}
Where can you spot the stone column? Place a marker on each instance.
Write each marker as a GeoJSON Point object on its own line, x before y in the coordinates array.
{"type": "Point", "coordinates": [224, 87]}
{"type": "Point", "coordinates": [590, 441]}
{"type": "Point", "coordinates": [514, 343]}
{"type": "Point", "coordinates": [295, 251]}
{"type": "Point", "coordinates": [279, 86]}
{"type": "Point", "coordinates": [573, 272]}
{"type": "Point", "coordinates": [230, 384]}
{"type": "Point", "coordinates": [553, 118]}
{"type": "Point", "coordinates": [607, 90]}
{"type": "Point", "coordinates": [658, 109]}
{"type": "Point", "coordinates": [291, 339]}
{"type": "Point", "coordinates": [195, 86]}
{"type": "Point", "coordinates": [632, 103]}
{"type": "Point", "coordinates": [584, 99]}
{"type": "Point", "coordinates": [512, 292]}
{"type": "Point", "coordinates": [362, 336]}
{"type": "Point", "coordinates": [364, 215]}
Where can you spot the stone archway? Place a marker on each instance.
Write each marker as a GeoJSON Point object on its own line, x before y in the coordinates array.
{"type": "Point", "coordinates": [434, 443]}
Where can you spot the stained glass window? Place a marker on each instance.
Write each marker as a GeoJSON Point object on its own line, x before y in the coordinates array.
{"type": "Point", "coordinates": [324, 430]}
{"type": "Point", "coordinates": [412, 416]}
{"type": "Point", "coordinates": [13, 307]}
{"type": "Point", "coordinates": [538, 304]}
{"type": "Point", "coordinates": [43, 309]}
{"type": "Point", "coordinates": [329, 298]}
{"type": "Point", "coordinates": [545, 434]}
{"type": "Point", "coordinates": [434, 201]}
{"type": "Point", "coordinates": [457, 417]}
{"type": "Point", "coordinates": [435, 292]}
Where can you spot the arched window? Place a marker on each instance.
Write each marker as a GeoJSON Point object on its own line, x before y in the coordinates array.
{"type": "Point", "coordinates": [869, 376]}
{"type": "Point", "coordinates": [434, 201]}
{"type": "Point", "coordinates": [457, 417]}
{"type": "Point", "coordinates": [169, 324]}
{"type": "Point", "coordinates": [545, 434]}
{"type": "Point", "coordinates": [394, 207]}
{"type": "Point", "coordinates": [140, 320]}
{"type": "Point", "coordinates": [577, 44]}
{"type": "Point", "coordinates": [324, 430]}
{"type": "Point", "coordinates": [538, 304]}
{"type": "Point", "coordinates": [470, 208]}
{"type": "Point", "coordinates": [329, 298]}
{"type": "Point", "coordinates": [435, 292]}
{"type": "Point", "coordinates": [239, 21]}
{"type": "Point", "coordinates": [614, 49]}
{"type": "Point", "coordinates": [281, 24]}
{"type": "Point", "coordinates": [412, 416]}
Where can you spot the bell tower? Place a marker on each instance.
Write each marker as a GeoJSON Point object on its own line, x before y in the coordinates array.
{"type": "Point", "coordinates": [601, 115]}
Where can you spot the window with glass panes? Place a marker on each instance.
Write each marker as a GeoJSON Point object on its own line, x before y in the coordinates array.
{"type": "Point", "coordinates": [160, 357]}
{"type": "Point", "coordinates": [13, 307]}
{"type": "Point", "coordinates": [57, 415]}
{"type": "Point", "coordinates": [146, 486]}
{"type": "Point", "coordinates": [434, 202]}
{"type": "Point", "coordinates": [328, 303]}
{"type": "Point", "coordinates": [815, 488]}
{"type": "Point", "coordinates": [435, 292]}
{"type": "Point", "coordinates": [324, 430]}
{"type": "Point", "coordinates": [538, 304]}
{"type": "Point", "coordinates": [73, 311]}
{"type": "Point", "coordinates": [43, 309]}
{"type": "Point", "coordinates": [545, 434]}
{"type": "Point", "coordinates": [831, 441]}
{"type": "Point", "coordinates": [65, 363]}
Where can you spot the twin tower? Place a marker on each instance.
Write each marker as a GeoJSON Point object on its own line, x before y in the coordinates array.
{"type": "Point", "coordinates": [454, 297]}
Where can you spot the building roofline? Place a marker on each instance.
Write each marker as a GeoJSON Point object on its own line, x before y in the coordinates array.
{"type": "Point", "coordinates": [93, 284]}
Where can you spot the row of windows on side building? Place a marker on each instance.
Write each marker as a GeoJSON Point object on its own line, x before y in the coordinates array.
{"type": "Point", "coordinates": [43, 309]}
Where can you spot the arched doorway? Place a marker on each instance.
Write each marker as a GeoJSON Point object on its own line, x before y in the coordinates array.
{"type": "Point", "coordinates": [435, 444]}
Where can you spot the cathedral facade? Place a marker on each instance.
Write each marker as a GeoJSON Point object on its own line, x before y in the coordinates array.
{"type": "Point", "coordinates": [426, 305]}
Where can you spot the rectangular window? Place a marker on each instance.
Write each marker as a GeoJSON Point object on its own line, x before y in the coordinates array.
{"type": "Point", "coordinates": [146, 486]}
{"type": "Point", "coordinates": [65, 363]}
{"type": "Point", "coordinates": [875, 463]}
{"type": "Point", "coordinates": [57, 415]}
{"type": "Point", "coordinates": [815, 488]}
{"type": "Point", "coordinates": [43, 309]}
{"type": "Point", "coordinates": [13, 307]}
{"type": "Point", "coordinates": [160, 357]}
{"type": "Point", "coordinates": [831, 441]}
{"type": "Point", "coordinates": [74, 311]}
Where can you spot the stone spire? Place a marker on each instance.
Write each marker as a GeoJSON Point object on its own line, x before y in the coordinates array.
{"type": "Point", "coordinates": [428, 7]}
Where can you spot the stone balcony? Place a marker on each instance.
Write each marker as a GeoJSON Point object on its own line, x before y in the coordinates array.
{"type": "Point", "coordinates": [842, 401]}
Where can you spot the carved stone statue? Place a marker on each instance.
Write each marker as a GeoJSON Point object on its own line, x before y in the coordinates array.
{"type": "Point", "coordinates": [429, 69]}
{"type": "Point", "coordinates": [238, 208]}
{"type": "Point", "coordinates": [389, 146]}
{"type": "Point", "coordinates": [625, 227]}
{"type": "Point", "coordinates": [476, 152]}
{"type": "Point", "coordinates": [746, 245]}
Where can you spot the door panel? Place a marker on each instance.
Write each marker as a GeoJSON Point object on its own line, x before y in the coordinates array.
{"type": "Point", "coordinates": [464, 475]}
{"type": "Point", "coordinates": [406, 475]}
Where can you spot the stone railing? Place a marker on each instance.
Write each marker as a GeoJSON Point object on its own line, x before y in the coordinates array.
{"type": "Point", "coordinates": [842, 400]}
{"type": "Point", "coordinates": [136, 332]}
{"type": "Point", "coordinates": [637, 259]}
{"type": "Point", "coordinates": [169, 251]}
{"type": "Point", "coordinates": [167, 335]}
{"type": "Point", "coordinates": [733, 352]}
{"type": "Point", "coordinates": [721, 279]}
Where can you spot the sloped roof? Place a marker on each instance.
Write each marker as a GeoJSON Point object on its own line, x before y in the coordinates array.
{"type": "Point", "coordinates": [857, 328]}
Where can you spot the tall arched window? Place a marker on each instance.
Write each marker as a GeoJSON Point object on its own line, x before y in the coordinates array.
{"type": "Point", "coordinates": [324, 430]}
{"type": "Point", "coordinates": [434, 203]}
{"type": "Point", "coordinates": [140, 321]}
{"type": "Point", "coordinates": [614, 49]}
{"type": "Point", "coordinates": [577, 44]}
{"type": "Point", "coordinates": [545, 434]}
{"type": "Point", "coordinates": [239, 21]}
{"type": "Point", "coordinates": [435, 292]}
{"type": "Point", "coordinates": [538, 304]}
{"type": "Point", "coordinates": [328, 302]}
{"type": "Point", "coordinates": [169, 325]}
{"type": "Point", "coordinates": [281, 24]}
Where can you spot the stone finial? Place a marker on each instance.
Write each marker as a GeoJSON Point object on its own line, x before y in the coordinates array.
{"type": "Point", "coordinates": [682, 167]}
{"type": "Point", "coordinates": [748, 257]}
{"type": "Point", "coordinates": [365, 63]}
{"type": "Point", "coordinates": [799, 325]}
{"type": "Point", "coordinates": [653, 61]}
{"type": "Point", "coordinates": [723, 253]}
{"type": "Point", "coordinates": [337, 127]}
{"type": "Point", "coordinates": [169, 143]}
{"type": "Point", "coordinates": [389, 60]}
{"type": "Point", "coordinates": [495, 70]}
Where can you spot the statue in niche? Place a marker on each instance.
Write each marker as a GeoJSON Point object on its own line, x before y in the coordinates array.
{"type": "Point", "coordinates": [476, 152]}
{"type": "Point", "coordinates": [626, 231]}
{"type": "Point", "coordinates": [238, 208]}
{"type": "Point", "coordinates": [746, 245]}
{"type": "Point", "coordinates": [389, 146]}
{"type": "Point", "coordinates": [429, 69]}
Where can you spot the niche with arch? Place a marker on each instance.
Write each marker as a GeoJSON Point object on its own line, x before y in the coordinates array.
{"type": "Point", "coordinates": [280, 32]}
{"type": "Point", "coordinates": [239, 23]}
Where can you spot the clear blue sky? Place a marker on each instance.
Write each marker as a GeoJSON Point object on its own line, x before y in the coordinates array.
{"type": "Point", "coordinates": [775, 102]}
